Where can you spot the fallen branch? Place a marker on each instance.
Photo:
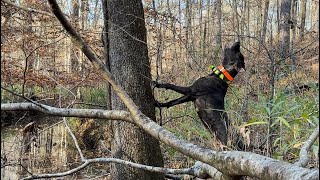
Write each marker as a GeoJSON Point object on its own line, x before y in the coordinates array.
{"type": "Point", "coordinates": [195, 170]}
{"type": "Point", "coordinates": [64, 112]}
{"type": "Point", "coordinates": [303, 156]}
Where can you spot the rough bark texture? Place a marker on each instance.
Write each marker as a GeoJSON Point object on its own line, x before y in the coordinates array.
{"type": "Point", "coordinates": [265, 20]}
{"type": "Point", "coordinates": [74, 52]}
{"type": "Point", "coordinates": [130, 66]}
{"type": "Point", "coordinates": [105, 42]}
{"type": "Point", "coordinates": [217, 22]}
{"type": "Point", "coordinates": [285, 28]}
{"type": "Point", "coordinates": [293, 28]}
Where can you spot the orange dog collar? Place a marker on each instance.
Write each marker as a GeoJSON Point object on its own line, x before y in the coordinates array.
{"type": "Point", "coordinates": [225, 73]}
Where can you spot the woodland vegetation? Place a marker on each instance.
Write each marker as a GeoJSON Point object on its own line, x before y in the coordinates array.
{"type": "Point", "coordinates": [77, 100]}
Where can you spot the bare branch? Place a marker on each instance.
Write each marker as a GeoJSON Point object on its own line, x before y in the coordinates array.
{"type": "Point", "coordinates": [89, 113]}
{"type": "Point", "coordinates": [26, 61]}
{"type": "Point", "coordinates": [74, 139]}
{"type": "Point", "coordinates": [191, 171]}
{"type": "Point", "coordinates": [66, 173]}
{"type": "Point", "coordinates": [303, 156]}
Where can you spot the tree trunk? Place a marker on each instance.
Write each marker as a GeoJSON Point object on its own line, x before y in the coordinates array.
{"type": "Point", "coordinates": [293, 33]}
{"type": "Point", "coordinates": [248, 20]}
{"type": "Point", "coordinates": [201, 42]}
{"type": "Point", "coordinates": [303, 17]}
{"type": "Point", "coordinates": [278, 18]}
{"type": "Point", "coordinates": [189, 34]}
{"type": "Point", "coordinates": [159, 45]}
{"type": "Point", "coordinates": [218, 23]}
{"type": "Point", "coordinates": [265, 20]}
{"type": "Point", "coordinates": [130, 66]}
{"type": "Point", "coordinates": [105, 42]}
{"type": "Point", "coordinates": [236, 20]}
{"type": "Point", "coordinates": [74, 52]}
{"type": "Point", "coordinates": [84, 14]}
{"type": "Point", "coordinates": [96, 14]}
{"type": "Point", "coordinates": [259, 20]}
{"type": "Point", "coordinates": [285, 28]}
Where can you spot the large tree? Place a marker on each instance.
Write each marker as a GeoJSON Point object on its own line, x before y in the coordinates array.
{"type": "Point", "coordinates": [130, 66]}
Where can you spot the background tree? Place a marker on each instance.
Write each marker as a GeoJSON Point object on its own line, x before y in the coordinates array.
{"type": "Point", "coordinates": [303, 10]}
{"type": "Point", "coordinates": [217, 20]}
{"type": "Point", "coordinates": [265, 20]}
{"type": "Point", "coordinates": [105, 42]}
{"type": "Point", "coordinates": [284, 36]}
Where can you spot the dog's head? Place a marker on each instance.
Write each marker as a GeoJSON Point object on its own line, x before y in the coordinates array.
{"type": "Point", "coordinates": [233, 59]}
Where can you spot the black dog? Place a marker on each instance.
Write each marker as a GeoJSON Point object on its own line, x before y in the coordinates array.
{"type": "Point", "coordinates": [208, 92]}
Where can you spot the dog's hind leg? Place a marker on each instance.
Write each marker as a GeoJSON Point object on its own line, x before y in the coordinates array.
{"type": "Point", "coordinates": [179, 89]}
{"type": "Point", "coordinates": [180, 100]}
{"type": "Point", "coordinates": [216, 124]}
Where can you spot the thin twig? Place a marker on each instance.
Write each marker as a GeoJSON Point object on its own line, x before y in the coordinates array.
{"type": "Point", "coordinates": [26, 61]}
{"type": "Point", "coordinates": [74, 139]}
{"type": "Point", "coordinates": [190, 171]}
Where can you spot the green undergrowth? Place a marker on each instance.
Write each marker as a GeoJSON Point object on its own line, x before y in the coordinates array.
{"type": "Point", "coordinates": [95, 96]}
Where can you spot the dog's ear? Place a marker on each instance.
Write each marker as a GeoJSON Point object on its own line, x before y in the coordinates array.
{"type": "Point", "coordinates": [236, 47]}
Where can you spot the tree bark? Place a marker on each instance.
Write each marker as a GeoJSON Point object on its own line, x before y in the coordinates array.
{"type": "Point", "coordinates": [218, 24]}
{"type": "Point", "coordinates": [293, 27]}
{"type": "Point", "coordinates": [278, 17]}
{"type": "Point", "coordinates": [265, 20]}
{"type": "Point", "coordinates": [105, 42]}
{"type": "Point", "coordinates": [130, 66]}
{"type": "Point", "coordinates": [96, 13]}
{"type": "Point", "coordinates": [285, 28]}
{"type": "Point", "coordinates": [74, 52]}
{"type": "Point", "coordinates": [303, 17]}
